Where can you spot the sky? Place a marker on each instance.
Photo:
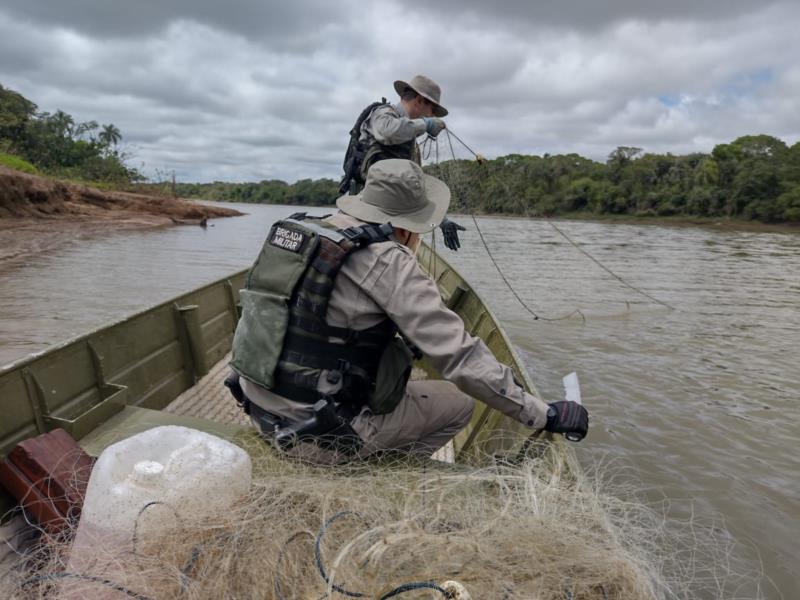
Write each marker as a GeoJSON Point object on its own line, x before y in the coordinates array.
{"type": "Point", "coordinates": [251, 90]}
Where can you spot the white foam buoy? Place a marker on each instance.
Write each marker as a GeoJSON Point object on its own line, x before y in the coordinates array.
{"type": "Point", "coordinates": [456, 591]}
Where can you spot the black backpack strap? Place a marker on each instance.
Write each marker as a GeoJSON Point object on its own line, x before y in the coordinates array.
{"type": "Point", "coordinates": [356, 130]}
{"type": "Point", "coordinates": [364, 235]}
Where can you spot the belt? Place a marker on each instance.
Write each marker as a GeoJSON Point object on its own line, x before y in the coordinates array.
{"type": "Point", "coordinates": [329, 427]}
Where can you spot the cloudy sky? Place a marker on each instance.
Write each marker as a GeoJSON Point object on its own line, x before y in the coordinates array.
{"type": "Point", "coordinates": [258, 89]}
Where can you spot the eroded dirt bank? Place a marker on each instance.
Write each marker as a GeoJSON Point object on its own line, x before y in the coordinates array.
{"type": "Point", "coordinates": [38, 214]}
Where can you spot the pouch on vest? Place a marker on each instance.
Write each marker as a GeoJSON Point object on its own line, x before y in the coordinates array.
{"type": "Point", "coordinates": [265, 301]}
{"type": "Point", "coordinates": [394, 370]}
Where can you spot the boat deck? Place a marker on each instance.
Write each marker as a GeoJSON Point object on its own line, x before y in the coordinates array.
{"type": "Point", "coordinates": [210, 399]}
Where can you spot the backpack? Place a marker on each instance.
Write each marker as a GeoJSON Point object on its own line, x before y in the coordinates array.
{"type": "Point", "coordinates": [355, 149]}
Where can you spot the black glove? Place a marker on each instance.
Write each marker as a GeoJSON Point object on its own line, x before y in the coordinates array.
{"type": "Point", "coordinates": [569, 418]}
{"type": "Point", "coordinates": [450, 231]}
{"type": "Point", "coordinates": [433, 126]}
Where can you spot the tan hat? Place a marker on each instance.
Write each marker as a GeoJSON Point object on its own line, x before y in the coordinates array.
{"type": "Point", "coordinates": [425, 87]}
{"type": "Point", "coordinates": [398, 192]}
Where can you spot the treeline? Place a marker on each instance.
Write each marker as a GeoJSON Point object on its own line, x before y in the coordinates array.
{"type": "Point", "coordinates": [58, 145]}
{"type": "Point", "coordinates": [753, 177]}
{"type": "Point", "coordinates": [306, 192]}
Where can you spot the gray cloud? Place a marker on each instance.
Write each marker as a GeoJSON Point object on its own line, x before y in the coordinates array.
{"type": "Point", "coordinates": [589, 15]}
{"type": "Point", "coordinates": [250, 91]}
{"type": "Point", "coordinates": [265, 21]}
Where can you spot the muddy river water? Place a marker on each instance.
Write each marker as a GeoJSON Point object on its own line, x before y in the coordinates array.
{"type": "Point", "coordinates": [698, 404]}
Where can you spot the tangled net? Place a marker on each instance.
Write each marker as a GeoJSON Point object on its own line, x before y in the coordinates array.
{"type": "Point", "coordinates": [392, 527]}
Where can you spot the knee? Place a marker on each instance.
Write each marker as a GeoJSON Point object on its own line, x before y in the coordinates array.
{"type": "Point", "coordinates": [466, 410]}
{"type": "Point", "coordinates": [461, 404]}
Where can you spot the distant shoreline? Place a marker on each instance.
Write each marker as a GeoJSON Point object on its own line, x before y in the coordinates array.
{"type": "Point", "coordinates": [714, 223]}
{"type": "Point", "coordinates": [672, 221]}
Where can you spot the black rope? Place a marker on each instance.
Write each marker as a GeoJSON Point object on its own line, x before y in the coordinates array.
{"type": "Point", "coordinates": [408, 587]}
{"type": "Point", "coordinates": [318, 554]}
{"type": "Point", "coordinates": [90, 578]}
{"type": "Point", "coordinates": [135, 535]}
{"type": "Point", "coordinates": [427, 145]}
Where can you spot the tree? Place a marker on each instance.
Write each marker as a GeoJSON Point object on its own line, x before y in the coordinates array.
{"type": "Point", "coordinates": [759, 146]}
{"type": "Point", "coordinates": [109, 136]}
{"type": "Point", "coordinates": [619, 158]}
{"type": "Point", "coordinates": [15, 113]}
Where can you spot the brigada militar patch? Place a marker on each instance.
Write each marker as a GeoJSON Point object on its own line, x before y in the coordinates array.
{"type": "Point", "coordinates": [287, 239]}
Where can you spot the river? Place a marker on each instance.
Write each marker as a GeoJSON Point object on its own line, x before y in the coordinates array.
{"type": "Point", "coordinates": [697, 403]}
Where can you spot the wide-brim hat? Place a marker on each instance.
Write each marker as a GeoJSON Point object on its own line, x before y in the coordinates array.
{"type": "Point", "coordinates": [425, 87]}
{"type": "Point", "coordinates": [398, 192]}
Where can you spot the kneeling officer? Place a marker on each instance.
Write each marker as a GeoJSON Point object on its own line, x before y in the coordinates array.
{"type": "Point", "coordinates": [331, 312]}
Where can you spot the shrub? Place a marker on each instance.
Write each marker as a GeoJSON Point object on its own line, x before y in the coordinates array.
{"type": "Point", "coordinates": [15, 162]}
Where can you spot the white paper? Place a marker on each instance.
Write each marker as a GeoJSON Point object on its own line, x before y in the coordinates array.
{"type": "Point", "coordinates": [572, 388]}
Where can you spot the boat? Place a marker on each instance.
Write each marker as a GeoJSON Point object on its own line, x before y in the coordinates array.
{"type": "Point", "coordinates": [165, 366]}
{"type": "Point", "coordinates": [119, 379]}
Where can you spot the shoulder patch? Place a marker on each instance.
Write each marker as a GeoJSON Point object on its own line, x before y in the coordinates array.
{"type": "Point", "coordinates": [288, 239]}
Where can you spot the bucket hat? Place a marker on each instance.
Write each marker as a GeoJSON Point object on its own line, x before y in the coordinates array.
{"type": "Point", "coordinates": [425, 87]}
{"type": "Point", "coordinates": [398, 192]}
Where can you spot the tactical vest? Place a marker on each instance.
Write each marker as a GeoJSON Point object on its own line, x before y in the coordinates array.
{"type": "Point", "coordinates": [283, 341]}
{"type": "Point", "coordinates": [375, 151]}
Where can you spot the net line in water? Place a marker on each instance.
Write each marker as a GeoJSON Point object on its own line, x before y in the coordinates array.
{"type": "Point", "coordinates": [456, 180]}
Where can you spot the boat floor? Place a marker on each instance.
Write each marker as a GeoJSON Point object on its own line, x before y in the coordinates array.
{"type": "Point", "coordinates": [210, 399]}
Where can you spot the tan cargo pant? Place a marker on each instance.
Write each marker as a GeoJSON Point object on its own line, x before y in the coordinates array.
{"type": "Point", "coordinates": [429, 416]}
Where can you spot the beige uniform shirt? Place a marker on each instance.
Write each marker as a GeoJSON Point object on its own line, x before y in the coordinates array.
{"type": "Point", "coordinates": [385, 279]}
{"type": "Point", "coordinates": [390, 125]}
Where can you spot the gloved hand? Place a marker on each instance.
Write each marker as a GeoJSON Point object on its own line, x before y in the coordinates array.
{"type": "Point", "coordinates": [433, 125]}
{"type": "Point", "coordinates": [450, 231]}
{"type": "Point", "coordinates": [569, 418]}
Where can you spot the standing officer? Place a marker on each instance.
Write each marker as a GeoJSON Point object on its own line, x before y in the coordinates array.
{"type": "Point", "coordinates": [386, 130]}
{"type": "Point", "coordinates": [346, 303]}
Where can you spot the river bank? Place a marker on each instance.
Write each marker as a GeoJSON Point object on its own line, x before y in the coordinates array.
{"type": "Point", "coordinates": [39, 214]}
{"type": "Point", "coordinates": [712, 223]}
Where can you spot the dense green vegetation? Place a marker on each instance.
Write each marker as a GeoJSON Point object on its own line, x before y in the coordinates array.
{"type": "Point", "coordinates": [306, 192]}
{"type": "Point", "coordinates": [55, 144]}
{"type": "Point", "coordinates": [753, 177]}
{"type": "Point", "coordinates": [15, 162]}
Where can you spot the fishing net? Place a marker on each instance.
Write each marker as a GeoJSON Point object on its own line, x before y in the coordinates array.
{"type": "Point", "coordinates": [388, 527]}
